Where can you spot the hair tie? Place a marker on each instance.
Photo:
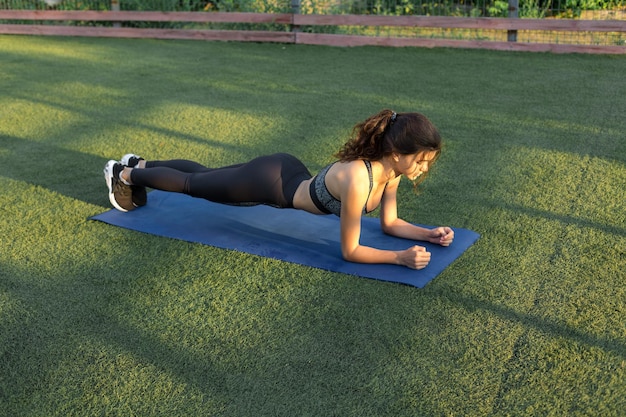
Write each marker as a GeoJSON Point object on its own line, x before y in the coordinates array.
{"type": "Point", "coordinates": [394, 115]}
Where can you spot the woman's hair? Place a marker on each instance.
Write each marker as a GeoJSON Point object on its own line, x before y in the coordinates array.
{"type": "Point", "coordinates": [387, 132]}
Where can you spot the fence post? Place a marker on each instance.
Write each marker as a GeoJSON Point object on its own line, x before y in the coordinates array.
{"type": "Point", "coordinates": [295, 9]}
{"type": "Point", "coordinates": [513, 14]}
{"type": "Point", "coordinates": [295, 6]}
{"type": "Point", "coordinates": [115, 7]}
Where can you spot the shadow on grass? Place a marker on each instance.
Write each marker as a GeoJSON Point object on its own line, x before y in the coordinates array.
{"type": "Point", "coordinates": [548, 327]}
{"type": "Point", "coordinates": [65, 319]}
{"type": "Point", "coordinates": [561, 218]}
{"type": "Point", "coordinates": [74, 174]}
{"type": "Point", "coordinates": [98, 90]}
{"type": "Point", "coordinates": [94, 114]}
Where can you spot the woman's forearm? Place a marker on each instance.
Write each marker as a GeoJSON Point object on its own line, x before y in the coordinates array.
{"type": "Point", "coordinates": [415, 257]}
{"type": "Point", "coordinates": [369, 255]}
{"type": "Point", "coordinates": [405, 230]}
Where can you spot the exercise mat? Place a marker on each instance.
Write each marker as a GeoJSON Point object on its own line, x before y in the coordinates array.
{"type": "Point", "coordinates": [286, 234]}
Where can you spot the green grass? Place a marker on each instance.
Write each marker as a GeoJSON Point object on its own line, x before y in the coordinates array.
{"type": "Point", "coordinates": [97, 320]}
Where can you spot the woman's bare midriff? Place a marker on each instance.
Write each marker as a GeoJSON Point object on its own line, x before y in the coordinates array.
{"type": "Point", "coordinates": [302, 198]}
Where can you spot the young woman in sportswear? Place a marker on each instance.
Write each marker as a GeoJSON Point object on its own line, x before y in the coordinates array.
{"type": "Point", "coordinates": [383, 148]}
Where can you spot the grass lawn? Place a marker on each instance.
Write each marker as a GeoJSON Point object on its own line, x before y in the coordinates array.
{"type": "Point", "coordinates": [100, 321]}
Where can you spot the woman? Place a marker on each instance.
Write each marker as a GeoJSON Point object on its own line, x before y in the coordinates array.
{"type": "Point", "coordinates": [383, 148]}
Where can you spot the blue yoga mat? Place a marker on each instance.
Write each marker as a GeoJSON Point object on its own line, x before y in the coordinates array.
{"type": "Point", "coordinates": [286, 234]}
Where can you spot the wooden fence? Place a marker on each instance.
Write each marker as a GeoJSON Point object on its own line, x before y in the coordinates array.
{"type": "Point", "coordinates": [295, 36]}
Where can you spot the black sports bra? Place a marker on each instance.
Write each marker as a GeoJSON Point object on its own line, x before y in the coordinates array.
{"type": "Point", "coordinates": [324, 200]}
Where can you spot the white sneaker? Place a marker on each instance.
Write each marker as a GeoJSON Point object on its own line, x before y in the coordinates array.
{"type": "Point", "coordinates": [140, 196]}
{"type": "Point", "coordinates": [120, 194]}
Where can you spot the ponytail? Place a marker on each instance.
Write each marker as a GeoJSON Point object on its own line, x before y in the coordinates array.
{"type": "Point", "coordinates": [388, 132]}
{"type": "Point", "coordinates": [368, 138]}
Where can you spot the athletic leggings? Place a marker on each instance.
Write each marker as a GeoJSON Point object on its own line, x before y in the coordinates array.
{"type": "Point", "coordinates": [271, 180]}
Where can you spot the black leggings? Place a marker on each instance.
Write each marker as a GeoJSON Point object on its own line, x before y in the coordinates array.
{"type": "Point", "coordinates": [271, 180]}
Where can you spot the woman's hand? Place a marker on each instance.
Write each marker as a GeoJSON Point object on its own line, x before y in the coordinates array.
{"type": "Point", "coordinates": [415, 257]}
{"type": "Point", "coordinates": [441, 235]}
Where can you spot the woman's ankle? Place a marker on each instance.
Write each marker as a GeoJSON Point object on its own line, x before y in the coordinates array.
{"type": "Point", "coordinates": [125, 175]}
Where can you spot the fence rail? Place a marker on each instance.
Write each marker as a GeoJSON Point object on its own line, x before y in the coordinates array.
{"type": "Point", "coordinates": [293, 21]}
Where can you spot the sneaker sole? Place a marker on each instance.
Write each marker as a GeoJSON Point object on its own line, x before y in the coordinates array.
{"type": "Point", "coordinates": [108, 177]}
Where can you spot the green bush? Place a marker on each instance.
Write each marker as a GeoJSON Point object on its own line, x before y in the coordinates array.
{"type": "Point", "coordinates": [470, 8]}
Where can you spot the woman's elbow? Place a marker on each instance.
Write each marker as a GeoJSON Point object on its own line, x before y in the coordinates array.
{"type": "Point", "coordinates": [348, 255]}
{"type": "Point", "coordinates": [386, 228]}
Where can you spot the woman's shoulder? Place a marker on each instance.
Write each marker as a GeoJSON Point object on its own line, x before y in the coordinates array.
{"type": "Point", "coordinates": [361, 162]}
{"type": "Point", "coordinates": [353, 167]}
{"type": "Point", "coordinates": [350, 174]}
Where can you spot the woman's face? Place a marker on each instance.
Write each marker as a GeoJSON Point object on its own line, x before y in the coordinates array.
{"type": "Point", "coordinates": [414, 165]}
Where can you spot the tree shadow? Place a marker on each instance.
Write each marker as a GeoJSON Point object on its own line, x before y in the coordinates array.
{"type": "Point", "coordinates": [36, 341]}
{"type": "Point", "coordinates": [71, 173]}
{"type": "Point", "coordinates": [548, 327]}
{"type": "Point", "coordinates": [564, 219]}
